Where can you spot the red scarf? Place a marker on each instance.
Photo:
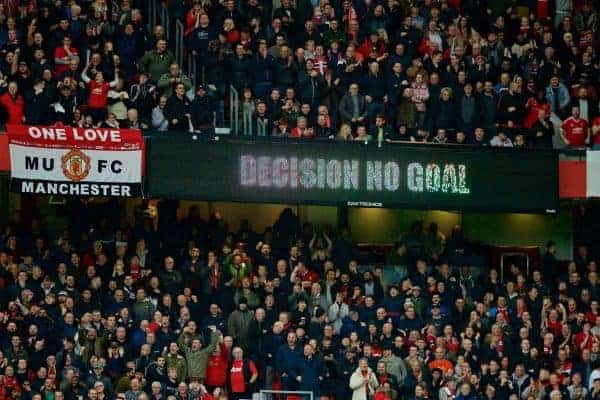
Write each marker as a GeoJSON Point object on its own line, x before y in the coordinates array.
{"type": "Point", "coordinates": [214, 276]}
{"type": "Point", "coordinates": [366, 374]}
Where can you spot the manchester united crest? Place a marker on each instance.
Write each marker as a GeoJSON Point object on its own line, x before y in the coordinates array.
{"type": "Point", "coordinates": [75, 165]}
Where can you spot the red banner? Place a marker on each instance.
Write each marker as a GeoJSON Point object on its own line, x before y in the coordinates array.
{"type": "Point", "coordinates": [4, 154]}
{"type": "Point", "coordinates": [83, 138]}
{"type": "Point", "coordinates": [75, 161]}
{"type": "Point", "coordinates": [572, 179]}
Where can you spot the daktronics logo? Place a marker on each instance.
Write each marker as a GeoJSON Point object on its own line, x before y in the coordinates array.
{"type": "Point", "coordinates": [346, 174]}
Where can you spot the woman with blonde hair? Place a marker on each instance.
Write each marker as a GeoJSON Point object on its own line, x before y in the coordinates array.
{"type": "Point", "coordinates": [230, 31]}
{"type": "Point", "coordinates": [345, 133]}
{"type": "Point", "coordinates": [444, 112]}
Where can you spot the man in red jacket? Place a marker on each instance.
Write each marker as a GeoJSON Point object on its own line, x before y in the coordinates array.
{"type": "Point", "coordinates": [13, 104]}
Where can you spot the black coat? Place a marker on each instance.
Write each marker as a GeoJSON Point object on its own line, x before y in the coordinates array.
{"type": "Point", "coordinates": [202, 111]}
{"type": "Point", "coordinates": [547, 132]}
{"type": "Point", "coordinates": [175, 112]}
{"type": "Point", "coordinates": [444, 115]}
{"type": "Point", "coordinates": [38, 110]}
{"type": "Point", "coordinates": [241, 72]}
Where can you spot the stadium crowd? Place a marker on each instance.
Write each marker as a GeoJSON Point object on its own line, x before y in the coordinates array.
{"type": "Point", "coordinates": [483, 72]}
{"type": "Point", "coordinates": [187, 310]}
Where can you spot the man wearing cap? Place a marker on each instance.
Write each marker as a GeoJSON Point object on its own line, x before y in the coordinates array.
{"type": "Point", "coordinates": [98, 376]}
{"type": "Point", "coordinates": [202, 110]}
{"type": "Point", "coordinates": [238, 323]}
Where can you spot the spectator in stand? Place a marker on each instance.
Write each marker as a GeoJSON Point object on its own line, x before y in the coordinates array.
{"type": "Point", "coordinates": [171, 79]}
{"type": "Point", "coordinates": [533, 107]}
{"type": "Point", "coordinates": [542, 131]}
{"type": "Point", "coordinates": [157, 62]}
{"type": "Point", "coordinates": [558, 96]}
{"type": "Point", "coordinates": [353, 106]}
{"type": "Point", "coordinates": [444, 111]}
{"type": "Point", "coordinates": [574, 130]}
{"type": "Point", "coordinates": [177, 109]}
{"type": "Point", "coordinates": [13, 104]}
{"type": "Point", "coordinates": [302, 131]}
{"type": "Point", "coordinates": [595, 131]}
{"type": "Point", "coordinates": [202, 110]}
{"type": "Point", "coordinates": [98, 92]}
{"type": "Point", "coordinates": [242, 375]}
{"type": "Point", "coordinates": [64, 55]}
{"type": "Point", "coordinates": [159, 120]}
{"type": "Point", "coordinates": [38, 111]}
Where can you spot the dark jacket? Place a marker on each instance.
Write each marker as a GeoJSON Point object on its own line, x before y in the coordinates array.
{"type": "Point", "coordinates": [444, 115]}
{"type": "Point", "coordinates": [487, 110]}
{"type": "Point", "coordinates": [37, 111]}
{"type": "Point", "coordinates": [175, 111]}
{"type": "Point", "coordinates": [311, 87]}
{"type": "Point", "coordinates": [346, 107]}
{"type": "Point", "coordinates": [202, 111]}
{"type": "Point", "coordinates": [468, 111]}
{"type": "Point", "coordinates": [258, 331]}
{"type": "Point", "coordinates": [511, 108]}
{"type": "Point", "coordinates": [285, 74]}
{"type": "Point", "coordinates": [240, 71]}
{"type": "Point", "coordinates": [374, 86]}
{"type": "Point", "coordinates": [312, 372]}
{"type": "Point", "coordinates": [271, 345]}
{"type": "Point", "coordinates": [287, 360]}
{"type": "Point", "coordinates": [199, 38]}
{"type": "Point", "coordinates": [547, 132]}
{"type": "Point", "coordinates": [262, 69]}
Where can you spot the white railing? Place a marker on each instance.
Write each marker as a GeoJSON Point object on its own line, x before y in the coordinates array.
{"type": "Point", "coordinates": [192, 69]}
{"type": "Point", "coordinates": [234, 109]}
{"type": "Point", "coordinates": [261, 127]}
{"type": "Point", "coordinates": [247, 116]}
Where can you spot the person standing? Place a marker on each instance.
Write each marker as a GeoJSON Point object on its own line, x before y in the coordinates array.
{"type": "Point", "coordinates": [242, 375]}
{"type": "Point", "coordinates": [574, 130]}
{"type": "Point", "coordinates": [363, 381]}
{"type": "Point", "coordinates": [310, 372]}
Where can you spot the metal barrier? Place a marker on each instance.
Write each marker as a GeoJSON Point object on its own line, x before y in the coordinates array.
{"type": "Point", "coordinates": [261, 127]}
{"type": "Point", "coordinates": [192, 68]}
{"type": "Point", "coordinates": [285, 394]}
{"type": "Point", "coordinates": [247, 116]}
{"type": "Point", "coordinates": [234, 109]}
{"type": "Point", "coordinates": [163, 11]}
{"type": "Point", "coordinates": [179, 43]}
{"type": "Point", "coordinates": [115, 8]}
{"type": "Point", "coordinates": [151, 6]}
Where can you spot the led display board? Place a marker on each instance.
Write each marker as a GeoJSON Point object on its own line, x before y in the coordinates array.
{"type": "Point", "coordinates": [406, 176]}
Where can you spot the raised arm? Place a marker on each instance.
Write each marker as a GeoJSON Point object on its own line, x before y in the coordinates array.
{"type": "Point", "coordinates": [116, 80]}
{"type": "Point", "coordinates": [84, 76]}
